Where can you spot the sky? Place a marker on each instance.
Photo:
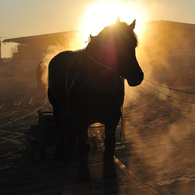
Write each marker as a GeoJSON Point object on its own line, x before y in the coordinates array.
{"type": "Point", "coordinates": [19, 18]}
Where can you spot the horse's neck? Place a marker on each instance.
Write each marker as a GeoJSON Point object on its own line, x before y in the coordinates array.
{"type": "Point", "coordinates": [96, 73]}
{"type": "Point", "coordinates": [102, 57]}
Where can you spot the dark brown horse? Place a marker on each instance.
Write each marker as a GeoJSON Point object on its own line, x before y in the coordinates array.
{"type": "Point", "coordinates": [87, 86]}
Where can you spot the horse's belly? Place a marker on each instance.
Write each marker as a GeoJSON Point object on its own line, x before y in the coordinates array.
{"type": "Point", "coordinates": [94, 107]}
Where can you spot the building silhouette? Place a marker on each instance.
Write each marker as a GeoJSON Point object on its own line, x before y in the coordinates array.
{"type": "Point", "coordinates": [174, 40]}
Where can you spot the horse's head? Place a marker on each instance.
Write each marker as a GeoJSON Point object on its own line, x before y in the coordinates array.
{"type": "Point", "coordinates": [119, 42]}
{"type": "Point", "coordinates": [125, 45]}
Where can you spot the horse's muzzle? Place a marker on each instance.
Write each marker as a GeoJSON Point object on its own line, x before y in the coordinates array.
{"type": "Point", "coordinates": [135, 82]}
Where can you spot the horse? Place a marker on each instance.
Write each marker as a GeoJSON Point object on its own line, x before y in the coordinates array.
{"type": "Point", "coordinates": [87, 86]}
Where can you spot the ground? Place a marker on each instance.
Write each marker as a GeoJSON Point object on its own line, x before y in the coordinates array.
{"type": "Point", "coordinates": [157, 157]}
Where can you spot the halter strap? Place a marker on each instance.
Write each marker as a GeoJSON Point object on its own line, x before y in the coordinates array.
{"type": "Point", "coordinates": [91, 84]}
{"type": "Point", "coordinates": [100, 62]}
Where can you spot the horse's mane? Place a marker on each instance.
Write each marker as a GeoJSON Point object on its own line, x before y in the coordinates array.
{"type": "Point", "coordinates": [119, 29]}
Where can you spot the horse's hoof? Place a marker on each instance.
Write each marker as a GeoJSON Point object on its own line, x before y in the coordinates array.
{"type": "Point", "coordinates": [83, 175]}
{"type": "Point", "coordinates": [108, 174]}
{"type": "Point", "coordinates": [83, 178]}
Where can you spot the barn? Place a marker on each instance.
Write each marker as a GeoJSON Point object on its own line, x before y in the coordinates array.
{"type": "Point", "coordinates": [32, 50]}
{"type": "Point", "coordinates": [160, 38]}
{"type": "Point", "coordinates": [170, 50]}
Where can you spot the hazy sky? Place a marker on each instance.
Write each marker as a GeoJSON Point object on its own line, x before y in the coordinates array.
{"type": "Point", "coordinates": [32, 17]}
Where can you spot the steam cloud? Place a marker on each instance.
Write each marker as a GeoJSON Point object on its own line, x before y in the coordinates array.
{"type": "Point", "coordinates": [72, 43]}
{"type": "Point", "coordinates": [161, 129]}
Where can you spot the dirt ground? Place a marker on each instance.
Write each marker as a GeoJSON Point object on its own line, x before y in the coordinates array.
{"type": "Point", "coordinates": [157, 157]}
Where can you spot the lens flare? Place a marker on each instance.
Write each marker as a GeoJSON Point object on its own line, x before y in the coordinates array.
{"type": "Point", "coordinates": [97, 16]}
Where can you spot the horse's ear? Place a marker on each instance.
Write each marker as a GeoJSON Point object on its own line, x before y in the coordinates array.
{"type": "Point", "coordinates": [117, 20]}
{"type": "Point", "coordinates": [132, 25]}
{"type": "Point", "coordinates": [91, 37]}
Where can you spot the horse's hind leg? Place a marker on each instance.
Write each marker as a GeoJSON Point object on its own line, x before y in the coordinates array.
{"type": "Point", "coordinates": [83, 148]}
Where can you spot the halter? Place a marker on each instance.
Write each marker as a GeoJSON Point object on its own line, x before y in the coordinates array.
{"type": "Point", "coordinates": [100, 62]}
{"type": "Point", "coordinates": [107, 67]}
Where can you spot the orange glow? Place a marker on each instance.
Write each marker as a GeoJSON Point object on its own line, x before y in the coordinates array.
{"type": "Point", "coordinates": [97, 16]}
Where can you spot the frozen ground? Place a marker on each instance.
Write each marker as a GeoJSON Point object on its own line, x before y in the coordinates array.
{"type": "Point", "coordinates": [158, 156]}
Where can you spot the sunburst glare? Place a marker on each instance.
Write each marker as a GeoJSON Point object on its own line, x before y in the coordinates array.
{"type": "Point", "coordinates": [97, 16]}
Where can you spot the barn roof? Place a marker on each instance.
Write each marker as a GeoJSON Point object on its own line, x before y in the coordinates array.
{"type": "Point", "coordinates": [50, 37]}
{"type": "Point", "coordinates": [172, 23]}
{"type": "Point", "coordinates": [31, 39]}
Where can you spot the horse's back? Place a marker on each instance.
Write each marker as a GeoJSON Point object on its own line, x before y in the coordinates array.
{"type": "Point", "coordinates": [58, 68]}
{"type": "Point", "coordinates": [62, 61]}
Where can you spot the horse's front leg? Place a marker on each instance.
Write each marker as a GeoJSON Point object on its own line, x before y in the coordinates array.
{"type": "Point", "coordinates": [83, 148]}
{"type": "Point", "coordinates": [109, 167]}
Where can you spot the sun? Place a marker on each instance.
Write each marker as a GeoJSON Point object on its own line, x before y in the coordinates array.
{"type": "Point", "coordinates": [97, 16]}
